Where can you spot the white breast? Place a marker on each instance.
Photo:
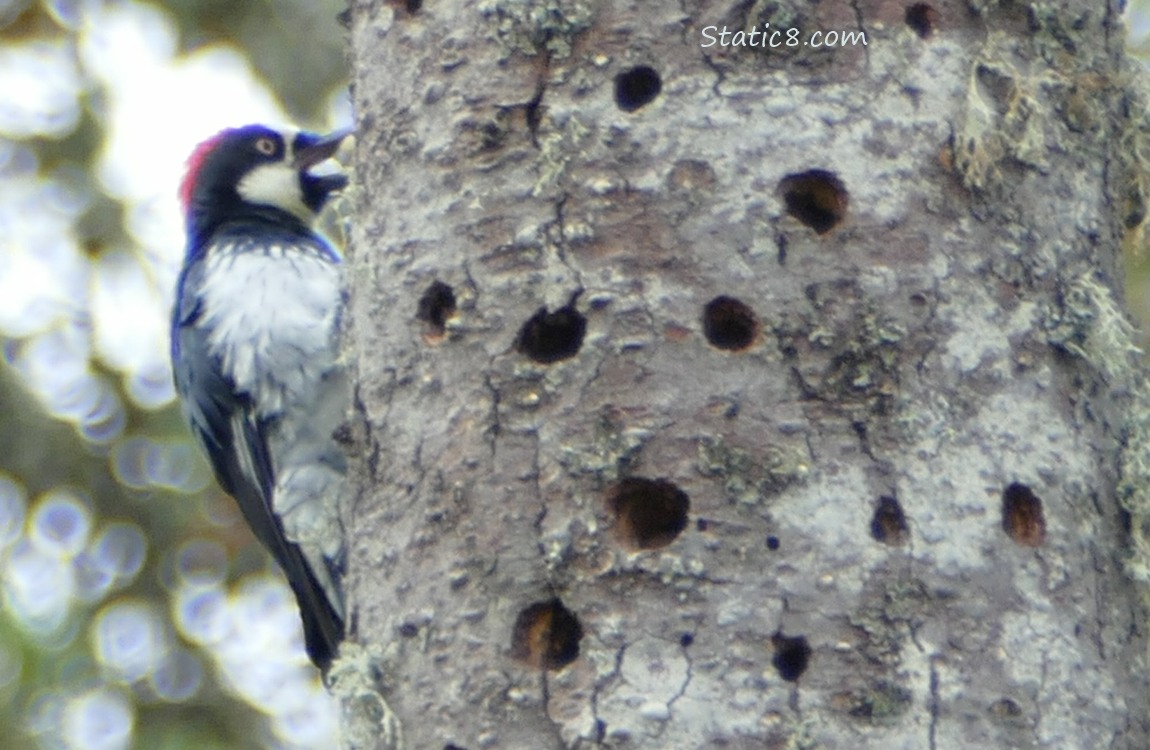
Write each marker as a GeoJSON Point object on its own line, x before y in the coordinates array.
{"type": "Point", "coordinates": [273, 317]}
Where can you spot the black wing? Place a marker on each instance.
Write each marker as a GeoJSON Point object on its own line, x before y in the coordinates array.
{"type": "Point", "coordinates": [224, 423]}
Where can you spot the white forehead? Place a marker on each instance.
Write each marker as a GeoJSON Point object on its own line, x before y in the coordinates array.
{"type": "Point", "coordinates": [289, 133]}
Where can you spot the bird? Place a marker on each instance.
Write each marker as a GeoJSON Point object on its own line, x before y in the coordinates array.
{"type": "Point", "coordinates": [255, 351]}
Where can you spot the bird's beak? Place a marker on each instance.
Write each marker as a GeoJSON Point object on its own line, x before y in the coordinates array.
{"type": "Point", "coordinates": [312, 149]}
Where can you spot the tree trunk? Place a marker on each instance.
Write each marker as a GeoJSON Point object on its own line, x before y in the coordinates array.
{"type": "Point", "coordinates": [745, 396]}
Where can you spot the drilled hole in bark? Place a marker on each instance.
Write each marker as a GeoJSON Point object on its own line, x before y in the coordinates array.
{"type": "Point", "coordinates": [792, 655]}
{"type": "Point", "coordinates": [435, 306]}
{"type": "Point", "coordinates": [729, 324]}
{"type": "Point", "coordinates": [686, 640]}
{"type": "Point", "coordinates": [817, 198]}
{"type": "Point", "coordinates": [411, 6]}
{"type": "Point", "coordinates": [648, 513]}
{"type": "Point", "coordinates": [409, 630]}
{"type": "Point", "coordinates": [922, 18]}
{"type": "Point", "coordinates": [772, 543]}
{"type": "Point", "coordinates": [888, 525]}
{"type": "Point", "coordinates": [546, 635]}
{"type": "Point", "coordinates": [637, 87]}
{"type": "Point", "coordinates": [1022, 517]}
{"type": "Point", "coordinates": [549, 337]}
{"type": "Point", "coordinates": [1005, 708]}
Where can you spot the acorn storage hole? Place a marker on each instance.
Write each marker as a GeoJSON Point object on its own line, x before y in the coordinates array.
{"type": "Point", "coordinates": [549, 337]}
{"type": "Point", "coordinates": [1006, 708]}
{"type": "Point", "coordinates": [888, 524]}
{"type": "Point", "coordinates": [648, 513]}
{"type": "Point", "coordinates": [546, 635]}
{"type": "Point", "coordinates": [922, 18]}
{"type": "Point", "coordinates": [636, 87]}
{"type": "Point", "coordinates": [792, 655]}
{"type": "Point", "coordinates": [817, 198]}
{"type": "Point", "coordinates": [436, 306]}
{"type": "Point", "coordinates": [1022, 517]}
{"type": "Point", "coordinates": [729, 324]}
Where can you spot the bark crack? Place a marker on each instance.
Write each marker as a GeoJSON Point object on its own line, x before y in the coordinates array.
{"type": "Point", "coordinates": [1099, 604]}
{"type": "Point", "coordinates": [533, 108]}
{"type": "Point", "coordinates": [862, 27]}
{"type": "Point", "coordinates": [555, 724]}
{"type": "Point", "coordinates": [933, 706]}
{"type": "Point", "coordinates": [686, 679]}
{"type": "Point", "coordinates": [495, 428]}
{"type": "Point", "coordinates": [542, 515]}
{"type": "Point", "coordinates": [560, 244]}
{"type": "Point", "coordinates": [472, 286]}
{"type": "Point", "coordinates": [600, 684]}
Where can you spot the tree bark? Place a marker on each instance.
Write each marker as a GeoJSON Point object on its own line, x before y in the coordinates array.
{"type": "Point", "coordinates": [730, 396]}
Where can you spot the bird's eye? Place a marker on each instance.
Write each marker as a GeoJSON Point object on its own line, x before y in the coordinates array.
{"type": "Point", "coordinates": [266, 146]}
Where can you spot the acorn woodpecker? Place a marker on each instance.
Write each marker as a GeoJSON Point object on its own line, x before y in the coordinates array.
{"type": "Point", "coordinates": [255, 352]}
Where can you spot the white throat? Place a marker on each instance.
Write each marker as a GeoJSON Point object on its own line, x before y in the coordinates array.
{"type": "Point", "coordinates": [276, 184]}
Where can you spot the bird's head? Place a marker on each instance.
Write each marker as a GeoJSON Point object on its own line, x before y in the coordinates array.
{"type": "Point", "coordinates": [255, 170]}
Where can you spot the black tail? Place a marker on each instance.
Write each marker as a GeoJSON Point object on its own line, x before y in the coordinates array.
{"type": "Point", "coordinates": [250, 482]}
{"type": "Point", "coordinates": [322, 626]}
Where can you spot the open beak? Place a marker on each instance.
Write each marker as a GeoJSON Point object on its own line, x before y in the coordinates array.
{"type": "Point", "coordinates": [312, 149]}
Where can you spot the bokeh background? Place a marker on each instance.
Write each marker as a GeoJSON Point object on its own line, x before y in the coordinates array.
{"type": "Point", "coordinates": [135, 609]}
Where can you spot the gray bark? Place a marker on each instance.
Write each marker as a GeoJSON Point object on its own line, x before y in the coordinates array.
{"type": "Point", "coordinates": [850, 451]}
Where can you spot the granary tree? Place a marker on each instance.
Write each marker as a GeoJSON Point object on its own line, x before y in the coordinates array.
{"type": "Point", "coordinates": [744, 374]}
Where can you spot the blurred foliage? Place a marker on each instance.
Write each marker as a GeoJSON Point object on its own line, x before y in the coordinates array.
{"type": "Point", "coordinates": [297, 47]}
{"type": "Point", "coordinates": [58, 689]}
